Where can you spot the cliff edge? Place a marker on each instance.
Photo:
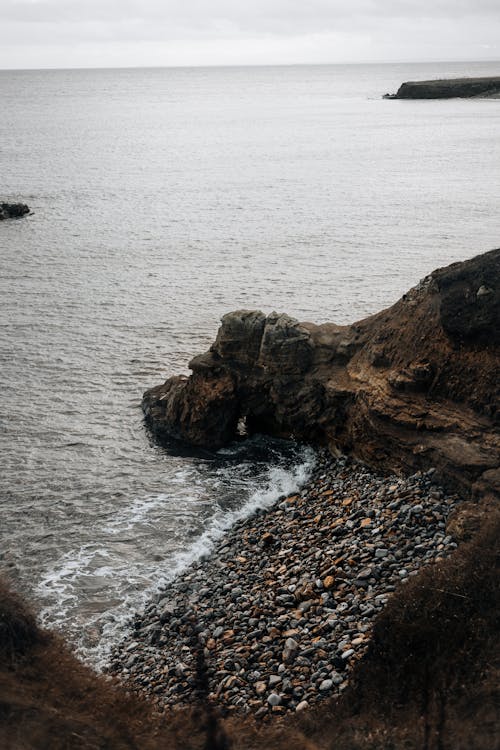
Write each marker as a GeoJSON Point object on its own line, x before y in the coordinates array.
{"type": "Point", "coordinates": [413, 387]}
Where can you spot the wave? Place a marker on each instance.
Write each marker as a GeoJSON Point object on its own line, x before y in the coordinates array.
{"type": "Point", "coordinates": [92, 591]}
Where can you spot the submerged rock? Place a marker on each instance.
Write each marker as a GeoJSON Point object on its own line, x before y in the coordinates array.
{"type": "Point", "coordinates": [415, 386]}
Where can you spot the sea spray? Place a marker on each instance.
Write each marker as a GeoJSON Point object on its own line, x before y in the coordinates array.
{"type": "Point", "coordinates": [91, 591]}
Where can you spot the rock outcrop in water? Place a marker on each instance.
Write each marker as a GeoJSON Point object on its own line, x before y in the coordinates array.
{"type": "Point", "coordinates": [449, 88]}
{"type": "Point", "coordinates": [412, 387]}
{"type": "Point", "coordinates": [13, 210]}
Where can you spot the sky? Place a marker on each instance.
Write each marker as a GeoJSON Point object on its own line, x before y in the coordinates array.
{"type": "Point", "coordinates": [122, 33]}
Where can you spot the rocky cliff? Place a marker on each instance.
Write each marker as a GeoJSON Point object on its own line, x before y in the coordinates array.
{"type": "Point", "coordinates": [449, 88]}
{"type": "Point", "coordinates": [412, 387]}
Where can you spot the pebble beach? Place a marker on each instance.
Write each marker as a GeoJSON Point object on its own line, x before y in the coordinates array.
{"type": "Point", "coordinates": [283, 606]}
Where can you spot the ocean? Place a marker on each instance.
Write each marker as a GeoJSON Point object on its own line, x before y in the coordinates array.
{"type": "Point", "coordinates": [161, 199]}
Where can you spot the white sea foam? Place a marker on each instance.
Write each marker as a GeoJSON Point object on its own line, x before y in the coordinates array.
{"type": "Point", "coordinates": [128, 583]}
{"type": "Point", "coordinates": [57, 585]}
{"type": "Point", "coordinates": [137, 512]}
{"type": "Point", "coordinates": [281, 482]}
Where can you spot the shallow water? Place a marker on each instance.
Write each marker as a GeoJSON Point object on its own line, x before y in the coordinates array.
{"type": "Point", "coordinates": [162, 199]}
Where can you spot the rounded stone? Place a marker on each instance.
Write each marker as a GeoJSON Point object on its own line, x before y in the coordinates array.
{"type": "Point", "coordinates": [274, 699]}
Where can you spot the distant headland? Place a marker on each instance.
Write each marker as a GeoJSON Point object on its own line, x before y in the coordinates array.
{"type": "Point", "coordinates": [488, 87]}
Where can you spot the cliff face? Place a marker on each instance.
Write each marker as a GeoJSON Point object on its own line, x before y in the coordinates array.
{"type": "Point", "coordinates": [447, 89]}
{"type": "Point", "coordinates": [412, 387]}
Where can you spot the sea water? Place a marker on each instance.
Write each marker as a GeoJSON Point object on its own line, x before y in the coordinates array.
{"type": "Point", "coordinates": [162, 199]}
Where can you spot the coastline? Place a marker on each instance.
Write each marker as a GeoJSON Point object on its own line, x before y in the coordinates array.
{"type": "Point", "coordinates": [429, 671]}
{"type": "Point", "coordinates": [282, 608]}
{"type": "Point", "coordinates": [360, 611]}
{"type": "Point", "coordinates": [344, 608]}
{"type": "Point", "coordinates": [448, 88]}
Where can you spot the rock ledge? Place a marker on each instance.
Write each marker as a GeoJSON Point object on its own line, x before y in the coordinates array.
{"type": "Point", "coordinates": [413, 387]}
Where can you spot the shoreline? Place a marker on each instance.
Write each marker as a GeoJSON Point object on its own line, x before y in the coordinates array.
{"type": "Point", "coordinates": [282, 607]}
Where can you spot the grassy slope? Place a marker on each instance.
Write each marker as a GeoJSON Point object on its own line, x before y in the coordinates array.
{"type": "Point", "coordinates": [428, 681]}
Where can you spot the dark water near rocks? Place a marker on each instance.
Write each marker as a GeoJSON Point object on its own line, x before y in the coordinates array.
{"type": "Point", "coordinates": [162, 199]}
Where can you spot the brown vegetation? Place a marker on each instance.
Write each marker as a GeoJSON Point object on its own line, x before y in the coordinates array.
{"type": "Point", "coordinates": [429, 680]}
{"type": "Point", "coordinates": [49, 700]}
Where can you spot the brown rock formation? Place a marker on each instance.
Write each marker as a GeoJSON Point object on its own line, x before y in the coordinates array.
{"type": "Point", "coordinates": [412, 387]}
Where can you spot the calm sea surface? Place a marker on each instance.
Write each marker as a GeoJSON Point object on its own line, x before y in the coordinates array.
{"type": "Point", "coordinates": [162, 199]}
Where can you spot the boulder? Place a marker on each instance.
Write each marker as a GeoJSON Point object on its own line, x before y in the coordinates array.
{"type": "Point", "coordinates": [13, 210]}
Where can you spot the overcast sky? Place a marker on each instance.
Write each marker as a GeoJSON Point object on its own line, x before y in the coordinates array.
{"type": "Point", "coordinates": [102, 33]}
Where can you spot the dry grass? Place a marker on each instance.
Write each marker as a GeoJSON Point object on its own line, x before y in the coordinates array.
{"type": "Point", "coordinates": [18, 630]}
{"type": "Point", "coordinates": [429, 681]}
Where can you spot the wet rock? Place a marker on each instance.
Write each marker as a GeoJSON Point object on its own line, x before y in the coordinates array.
{"type": "Point", "coordinates": [13, 210]}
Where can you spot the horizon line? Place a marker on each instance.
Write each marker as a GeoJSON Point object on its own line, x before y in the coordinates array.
{"type": "Point", "coordinates": [252, 65]}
